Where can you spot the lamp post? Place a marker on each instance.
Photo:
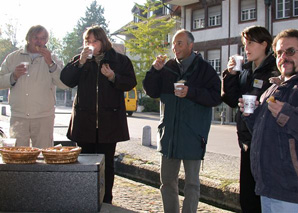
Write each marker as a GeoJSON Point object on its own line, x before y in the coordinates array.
{"type": "Point", "coordinates": [268, 4]}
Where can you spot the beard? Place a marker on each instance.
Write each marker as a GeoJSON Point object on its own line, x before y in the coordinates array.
{"type": "Point", "coordinates": [288, 73]}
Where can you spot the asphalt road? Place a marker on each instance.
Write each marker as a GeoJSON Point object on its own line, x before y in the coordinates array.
{"type": "Point", "coordinates": [222, 138]}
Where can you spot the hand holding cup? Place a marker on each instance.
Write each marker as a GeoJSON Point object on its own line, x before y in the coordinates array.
{"type": "Point", "coordinates": [85, 54]}
{"type": "Point", "coordinates": [247, 104]}
{"type": "Point", "coordinates": [235, 64]}
{"type": "Point", "coordinates": [180, 89]}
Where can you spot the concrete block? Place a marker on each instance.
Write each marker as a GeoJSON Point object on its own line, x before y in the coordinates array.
{"type": "Point", "coordinates": [41, 187]}
{"type": "Point", "coordinates": [3, 110]}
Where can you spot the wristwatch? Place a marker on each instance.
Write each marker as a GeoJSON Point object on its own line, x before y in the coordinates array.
{"type": "Point", "coordinates": [52, 64]}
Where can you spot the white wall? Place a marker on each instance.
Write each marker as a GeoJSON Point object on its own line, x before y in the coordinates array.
{"type": "Point", "coordinates": [279, 26]}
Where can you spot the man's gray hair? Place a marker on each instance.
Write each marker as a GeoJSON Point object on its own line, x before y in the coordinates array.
{"type": "Point", "coordinates": [190, 36]}
{"type": "Point", "coordinates": [35, 30]}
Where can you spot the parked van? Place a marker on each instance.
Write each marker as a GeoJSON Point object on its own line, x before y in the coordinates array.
{"type": "Point", "coordinates": [131, 101]}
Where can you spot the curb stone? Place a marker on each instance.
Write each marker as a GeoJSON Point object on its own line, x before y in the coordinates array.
{"type": "Point", "coordinates": [213, 192]}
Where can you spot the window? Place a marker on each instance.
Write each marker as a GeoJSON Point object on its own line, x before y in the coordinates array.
{"type": "Point", "coordinates": [282, 9]}
{"type": "Point", "coordinates": [166, 10]}
{"type": "Point", "coordinates": [242, 52]}
{"type": "Point", "coordinates": [214, 16]}
{"type": "Point", "coordinates": [150, 14]}
{"type": "Point", "coordinates": [214, 60]}
{"type": "Point", "coordinates": [198, 19]}
{"type": "Point", "coordinates": [215, 63]}
{"type": "Point", "coordinates": [295, 7]}
{"type": "Point", "coordinates": [248, 10]}
{"type": "Point", "coordinates": [136, 19]}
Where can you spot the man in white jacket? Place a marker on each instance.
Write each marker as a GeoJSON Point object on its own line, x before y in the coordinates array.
{"type": "Point", "coordinates": [32, 89]}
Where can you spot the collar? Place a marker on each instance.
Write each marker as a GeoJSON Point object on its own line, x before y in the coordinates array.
{"type": "Point", "coordinates": [185, 63]}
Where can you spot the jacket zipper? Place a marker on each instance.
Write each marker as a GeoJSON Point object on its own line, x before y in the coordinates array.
{"type": "Point", "coordinates": [97, 76]}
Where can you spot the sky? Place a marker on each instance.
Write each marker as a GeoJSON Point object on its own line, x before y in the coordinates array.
{"type": "Point", "coordinates": [61, 16]}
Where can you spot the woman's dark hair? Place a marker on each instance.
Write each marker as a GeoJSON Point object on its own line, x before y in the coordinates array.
{"type": "Point", "coordinates": [257, 34]}
{"type": "Point", "coordinates": [100, 35]}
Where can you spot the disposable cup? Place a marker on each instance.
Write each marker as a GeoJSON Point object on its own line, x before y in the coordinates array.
{"type": "Point", "coordinates": [9, 142]}
{"type": "Point", "coordinates": [249, 103]}
{"type": "Point", "coordinates": [239, 60]}
{"type": "Point", "coordinates": [178, 84]}
{"type": "Point", "coordinates": [26, 65]}
{"type": "Point", "coordinates": [91, 54]}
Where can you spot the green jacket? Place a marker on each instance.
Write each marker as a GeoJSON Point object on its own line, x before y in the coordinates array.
{"type": "Point", "coordinates": [184, 122]}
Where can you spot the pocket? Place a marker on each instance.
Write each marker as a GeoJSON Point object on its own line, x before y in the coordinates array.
{"type": "Point", "coordinates": [293, 153]}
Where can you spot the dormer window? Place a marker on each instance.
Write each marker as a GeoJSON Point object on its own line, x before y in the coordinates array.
{"type": "Point", "coordinates": [136, 19]}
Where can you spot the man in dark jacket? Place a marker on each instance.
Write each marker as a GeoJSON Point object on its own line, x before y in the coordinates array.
{"type": "Point", "coordinates": [274, 146]}
{"type": "Point", "coordinates": [253, 80]}
{"type": "Point", "coordinates": [185, 118]}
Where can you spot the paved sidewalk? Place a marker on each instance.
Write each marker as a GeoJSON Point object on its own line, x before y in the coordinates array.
{"type": "Point", "coordinates": [138, 197]}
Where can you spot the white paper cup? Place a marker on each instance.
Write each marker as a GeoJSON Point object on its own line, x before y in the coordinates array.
{"type": "Point", "coordinates": [26, 65]}
{"type": "Point", "coordinates": [178, 84]}
{"type": "Point", "coordinates": [10, 142]}
{"type": "Point", "coordinates": [91, 54]}
{"type": "Point", "coordinates": [249, 103]}
{"type": "Point", "coordinates": [239, 60]}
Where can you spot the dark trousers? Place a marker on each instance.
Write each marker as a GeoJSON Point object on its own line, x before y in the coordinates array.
{"type": "Point", "coordinates": [249, 201]}
{"type": "Point", "coordinates": [108, 149]}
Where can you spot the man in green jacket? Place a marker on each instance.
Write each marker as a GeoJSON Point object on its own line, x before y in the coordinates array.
{"type": "Point", "coordinates": [185, 117]}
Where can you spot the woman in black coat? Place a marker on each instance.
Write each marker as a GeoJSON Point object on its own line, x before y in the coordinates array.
{"type": "Point", "coordinates": [253, 79]}
{"type": "Point", "coordinates": [98, 118]}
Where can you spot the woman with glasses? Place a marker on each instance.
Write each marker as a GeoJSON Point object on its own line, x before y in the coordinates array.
{"type": "Point", "coordinates": [98, 119]}
{"type": "Point", "coordinates": [253, 79]}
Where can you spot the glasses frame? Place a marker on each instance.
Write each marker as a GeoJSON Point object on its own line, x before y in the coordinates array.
{"type": "Point", "coordinates": [289, 52]}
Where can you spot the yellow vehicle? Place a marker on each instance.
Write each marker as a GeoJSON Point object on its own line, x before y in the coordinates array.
{"type": "Point", "coordinates": [131, 101]}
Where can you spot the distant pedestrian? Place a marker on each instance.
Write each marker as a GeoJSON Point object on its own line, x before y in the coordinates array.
{"type": "Point", "coordinates": [274, 145]}
{"type": "Point", "coordinates": [223, 117]}
{"type": "Point", "coordinates": [253, 79]}
{"type": "Point", "coordinates": [98, 119]}
{"type": "Point", "coordinates": [31, 74]}
{"type": "Point", "coordinates": [185, 118]}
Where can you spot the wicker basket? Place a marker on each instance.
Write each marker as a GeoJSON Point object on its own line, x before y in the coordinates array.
{"type": "Point", "coordinates": [61, 154]}
{"type": "Point", "coordinates": [19, 154]}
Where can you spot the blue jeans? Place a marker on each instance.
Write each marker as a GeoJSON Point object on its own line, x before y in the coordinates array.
{"type": "Point", "coordinates": [270, 205]}
{"type": "Point", "coordinates": [169, 185]}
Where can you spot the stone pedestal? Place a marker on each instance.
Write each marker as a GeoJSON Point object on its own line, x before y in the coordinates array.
{"type": "Point", "coordinates": [41, 187]}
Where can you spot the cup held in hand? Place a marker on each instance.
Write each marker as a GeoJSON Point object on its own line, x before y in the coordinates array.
{"type": "Point", "coordinates": [92, 50]}
{"type": "Point", "coordinates": [26, 65]}
{"type": "Point", "coordinates": [249, 103]}
{"type": "Point", "coordinates": [178, 84]}
{"type": "Point", "coordinates": [239, 60]}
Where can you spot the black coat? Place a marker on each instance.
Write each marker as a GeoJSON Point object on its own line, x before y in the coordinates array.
{"type": "Point", "coordinates": [99, 103]}
{"type": "Point", "coordinates": [247, 82]}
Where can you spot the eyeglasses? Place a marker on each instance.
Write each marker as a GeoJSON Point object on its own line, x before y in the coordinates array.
{"type": "Point", "coordinates": [40, 38]}
{"type": "Point", "coordinates": [289, 52]}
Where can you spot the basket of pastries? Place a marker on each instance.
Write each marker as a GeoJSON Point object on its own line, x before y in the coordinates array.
{"type": "Point", "coordinates": [19, 154]}
{"type": "Point", "coordinates": [61, 154]}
